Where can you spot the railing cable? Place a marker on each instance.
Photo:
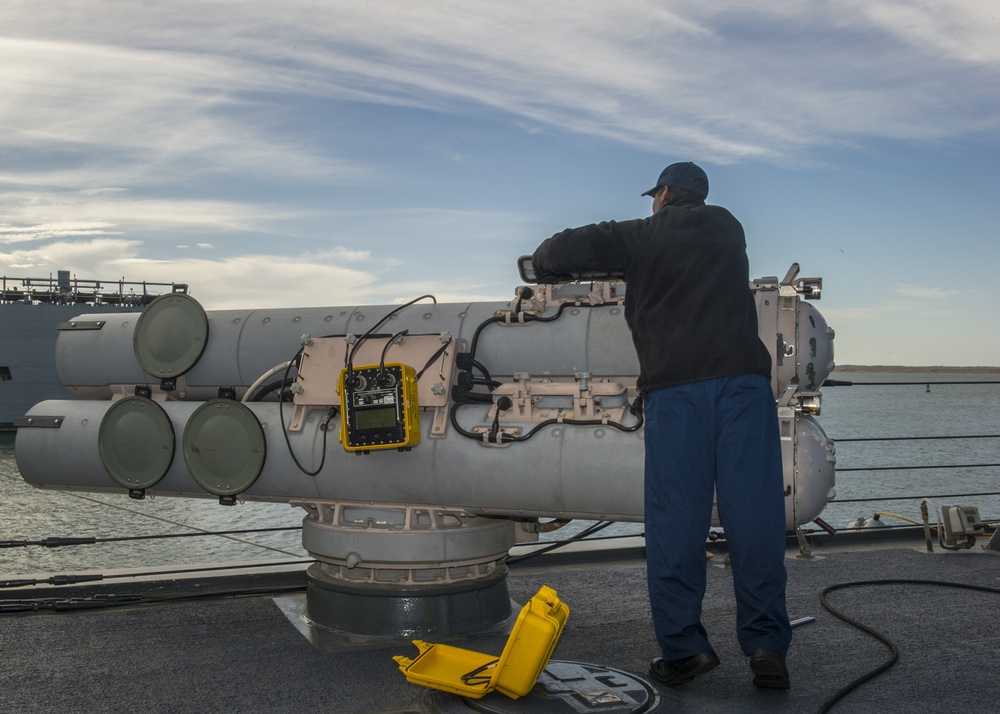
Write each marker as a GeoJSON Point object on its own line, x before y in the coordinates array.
{"type": "Point", "coordinates": [176, 523]}
{"type": "Point", "coordinates": [922, 466]}
{"type": "Point", "coordinates": [916, 438]}
{"type": "Point", "coordinates": [849, 383]}
{"type": "Point", "coordinates": [94, 577]}
{"type": "Point", "coordinates": [908, 498]}
{"type": "Point", "coordinates": [56, 542]}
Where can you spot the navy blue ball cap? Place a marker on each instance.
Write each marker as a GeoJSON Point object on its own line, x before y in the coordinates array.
{"type": "Point", "coordinates": [685, 175]}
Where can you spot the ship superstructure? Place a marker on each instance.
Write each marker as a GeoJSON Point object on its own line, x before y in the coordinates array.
{"type": "Point", "coordinates": [31, 310]}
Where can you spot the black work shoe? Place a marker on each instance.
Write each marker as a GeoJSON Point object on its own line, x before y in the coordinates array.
{"type": "Point", "coordinates": [769, 670]}
{"type": "Point", "coordinates": [678, 671]}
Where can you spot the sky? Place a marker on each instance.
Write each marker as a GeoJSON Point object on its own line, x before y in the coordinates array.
{"type": "Point", "coordinates": [343, 152]}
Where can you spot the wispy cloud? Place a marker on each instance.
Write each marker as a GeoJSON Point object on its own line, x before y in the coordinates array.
{"type": "Point", "coordinates": [910, 301]}
{"type": "Point", "coordinates": [918, 302]}
{"type": "Point", "coordinates": [726, 79]}
{"type": "Point", "coordinates": [101, 111]}
{"type": "Point", "coordinates": [45, 231]}
{"type": "Point", "coordinates": [110, 213]}
{"type": "Point", "coordinates": [926, 293]}
{"type": "Point", "coordinates": [962, 30]}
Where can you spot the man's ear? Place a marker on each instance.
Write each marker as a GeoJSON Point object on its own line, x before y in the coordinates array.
{"type": "Point", "coordinates": [660, 198]}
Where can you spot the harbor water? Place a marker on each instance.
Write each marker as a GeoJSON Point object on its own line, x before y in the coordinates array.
{"type": "Point", "coordinates": [896, 473]}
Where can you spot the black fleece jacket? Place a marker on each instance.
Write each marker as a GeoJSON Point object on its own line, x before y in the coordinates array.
{"type": "Point", "coordinates": [687, 302]}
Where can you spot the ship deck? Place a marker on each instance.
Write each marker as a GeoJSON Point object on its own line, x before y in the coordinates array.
{"type": "Point", "coordinates": [249, 654]}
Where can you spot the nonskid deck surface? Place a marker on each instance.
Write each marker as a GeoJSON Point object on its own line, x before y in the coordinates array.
{"type": "Point", "coordinates": [245, 655]}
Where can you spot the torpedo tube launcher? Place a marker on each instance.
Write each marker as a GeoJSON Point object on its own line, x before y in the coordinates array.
{"type": "Point", "coordinates": [460, 426]}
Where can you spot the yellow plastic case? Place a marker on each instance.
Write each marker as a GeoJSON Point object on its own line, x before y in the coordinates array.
{"type": "Point", "coordinates": [474, 675]}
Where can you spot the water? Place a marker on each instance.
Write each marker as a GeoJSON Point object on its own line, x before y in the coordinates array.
{"type": "Point", "coordinates": [27, 513]}
{"type": "Point", "coordinates": [907, 411]}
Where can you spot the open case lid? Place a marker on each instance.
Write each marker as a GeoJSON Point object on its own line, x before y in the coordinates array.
{"type": "Point", "coordinates": [514, 673]}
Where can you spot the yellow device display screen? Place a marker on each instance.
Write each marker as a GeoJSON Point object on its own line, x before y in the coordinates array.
{"type": "Point", "coordinates": [383, 418]}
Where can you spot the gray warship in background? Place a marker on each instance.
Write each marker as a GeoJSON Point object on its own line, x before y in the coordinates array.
{"type": "Point", "coordinates": [31, 311]}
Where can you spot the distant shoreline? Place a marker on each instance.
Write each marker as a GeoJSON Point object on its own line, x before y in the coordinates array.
{"type": "Point", "coordinates": [897, 368]}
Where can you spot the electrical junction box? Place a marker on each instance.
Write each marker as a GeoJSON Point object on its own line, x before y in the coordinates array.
{"type": "Point", "coordinates": [379, 407]}
{"type": "Point", "coordinates": [960, 522]}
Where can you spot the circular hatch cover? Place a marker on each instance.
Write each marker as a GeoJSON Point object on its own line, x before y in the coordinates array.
{"type": "Point", "coordinates": [562, 688]}
{"type": "Point", "coordinates": [136, 442]}
{"type": "Point", "coordinates": [224, 447]}
{"type": "Point", "coordinates": [170, 335]}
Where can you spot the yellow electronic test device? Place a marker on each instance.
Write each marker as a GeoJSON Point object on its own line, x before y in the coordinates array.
{"type": "Point", "coordinates": [378, 407]}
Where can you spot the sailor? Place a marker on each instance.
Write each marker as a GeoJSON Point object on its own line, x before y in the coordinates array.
{"type": "Point", "coordinates": [711, 422]}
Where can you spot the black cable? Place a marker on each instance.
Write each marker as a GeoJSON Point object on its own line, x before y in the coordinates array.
{"type": "Point", "coordinates": [599, 526]}
{"type": "Point", "coordinates": [577, 422]}
{"type": "Point", "coordinates": [388, 343]}
{"type": "Point", "coordinates": [474, 344]}
{"type": "Point", "coordinates": [893, 650]}
{"type": "Point", "coordinates": [433, 358]}
{"type": "Point", "coordinates": [366, 335]}
{"type": "Point", "coordinates": [112, 600]}
{"type": "Point", "coordinates": [94, 577]}
{"type": "Point", "coordinates": [266, 389]}
{"type": "Point", "coordinates": [476, 678]}
{"type": "Point", "coordinates": [486, 373]}
{"type": "Point", "coordinates": [525, 318]}
{"type": "Point", "coordinates": [509, 438]}
{"type": "Point", "coordinates": [56, 542]}
{"type": "Point", "coordinates": [325, 426]}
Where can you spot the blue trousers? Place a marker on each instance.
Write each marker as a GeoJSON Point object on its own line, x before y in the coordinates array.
{"type": "Point", "coordinates": [716, 437]}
